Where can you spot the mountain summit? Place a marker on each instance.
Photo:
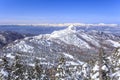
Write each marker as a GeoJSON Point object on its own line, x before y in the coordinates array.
{"type": "Point", "coordinates": [72, 27]}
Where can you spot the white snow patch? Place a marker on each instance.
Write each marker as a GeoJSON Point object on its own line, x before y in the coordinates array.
{"type": "Point", "coordinates": [0, 59]}
{"type": "Point", "coordinates": [96, 68]}
{"type": "Point", "coordinates": [90, 38]}
{"type": "Point", "coordinates": [68, 55]}
{"type": "Point", "coordinates": [104, 68]}
{"type": "Point", "coordinates": [30, 64]}
{"type": "Point", "coordinates": [10, 56]}
{"type": "Point", "coordinates": [116, 74]}
{"type": "Point", "coordinates": [114, 43]}
{"type": "Point", "coordinates": [4, 73]}
{"type": "Point", "coordinates": [24, 47]}
{"type": "Point", "coordinates": [70, 38]}
{"type": "Point", "coordinates": [95, 76]}
{"type": "Point", "coordinates": [80, 62]}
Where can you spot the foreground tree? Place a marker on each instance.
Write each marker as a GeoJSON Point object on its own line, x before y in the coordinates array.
{"type": "Point", "coordinates": [61, 69]}
{"type": "Point", "coordinates": [17, 68]}
{"type": "Point", "coordinates": [38, 70]}
{"type": "Point", "coordinates": [6, 70]}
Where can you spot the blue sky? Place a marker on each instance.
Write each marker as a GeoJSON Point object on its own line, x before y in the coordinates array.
{"type": "Point", "coordinates": [59, 11]}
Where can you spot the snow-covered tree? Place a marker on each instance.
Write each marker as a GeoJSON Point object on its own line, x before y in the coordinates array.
{"type": "Point", "coordinates": [61, 69]}
{"type": "Point", "coordinates": [17, 68]}
{"type": "Point", "coordinates": [38, 70]}
{"type": "Point", "coordinates": [6, 70]}
{"type": "Point", "coordinates": [115, 64]}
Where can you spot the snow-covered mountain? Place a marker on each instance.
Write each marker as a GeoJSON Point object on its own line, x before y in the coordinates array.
{"type": "Point", "coordinates": [79, 48]}
{"type": "Point", "coordinates": [7, 37]}
{"type": "Point", "coordinates": [70, 40]}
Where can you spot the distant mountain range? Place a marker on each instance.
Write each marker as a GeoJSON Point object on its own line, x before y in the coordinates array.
{"type": "Point", "coordinates": [67, 24]}
{"type": "Point", "coordinates": [49, 28]}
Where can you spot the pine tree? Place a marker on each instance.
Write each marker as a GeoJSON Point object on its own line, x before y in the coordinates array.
{"type": "Point", "coordinates": [17, 68]}
{"type": "Point", "coordinates": [5, 75]}
{"type": "Point", "coordinates": [38, 70]}
{"type": "Point", "coordinates": [61, 68]}
{"type": "Point", "coordinates": [104, 66]}
{"type": "Point", "coordinates": [114, 59]}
